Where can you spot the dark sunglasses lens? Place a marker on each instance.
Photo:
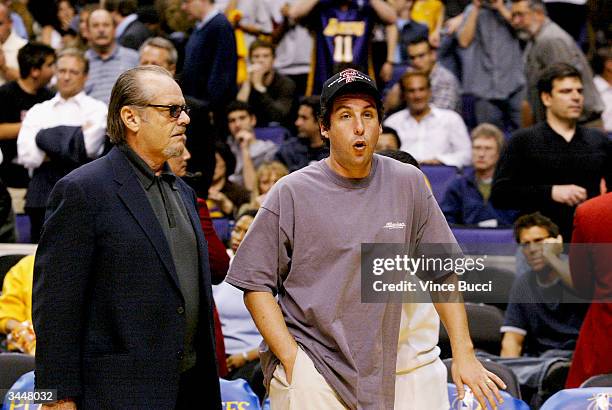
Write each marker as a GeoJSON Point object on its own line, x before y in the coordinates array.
{"type": "Point", "coordinates": [175, 111]}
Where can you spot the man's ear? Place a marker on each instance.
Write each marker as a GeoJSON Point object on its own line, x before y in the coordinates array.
{"type": "Point", "coordinates": [324, 131]}
{"type": "Point", "coordinates": [131, 118]}
{"type": "Point", "coordinates": [546, 98]}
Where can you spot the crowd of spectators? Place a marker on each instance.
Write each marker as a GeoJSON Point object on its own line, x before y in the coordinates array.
{"type": "Point", "coordinates": [531, 86]}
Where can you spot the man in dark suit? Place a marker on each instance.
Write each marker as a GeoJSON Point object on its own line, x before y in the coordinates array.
{"type": "Point", "coordinates": [130, 31]}
{"type": "Point", "coordinates": [122, 292]}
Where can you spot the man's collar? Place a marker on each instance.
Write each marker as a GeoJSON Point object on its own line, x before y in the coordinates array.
{"type": "Point", "coordinates": [124, 24]}
{"type": "Point", "coordinates": [144, 173]}
{"type": "Point", "coordinates": [207, 17]}
{"type": "Point", "coordinates": [78, 98]}
{"type": "Point", "coordinates": [93, 54]}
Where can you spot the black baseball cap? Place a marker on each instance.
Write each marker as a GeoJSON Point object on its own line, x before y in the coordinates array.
{"type": "Point", "coordinates": [349, 81]}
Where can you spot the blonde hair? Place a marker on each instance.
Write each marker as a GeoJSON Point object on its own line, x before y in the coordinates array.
{"type": "Point", "coordinates": [265, 170]}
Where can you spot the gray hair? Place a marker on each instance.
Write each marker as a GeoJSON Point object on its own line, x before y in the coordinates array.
{"type": "Point", "coordinates": [76, 53]}
{"type": "Point", "coordinates": [486, 130]}
{"type": "Point", "coordinates": [164, 44]}
{"type": "Point", "coordinates": [534, 5]}
{"type": "Point", "coordinates": [128, 90]}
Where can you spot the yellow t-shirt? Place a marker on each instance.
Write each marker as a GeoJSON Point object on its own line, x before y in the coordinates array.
{"type": "Point", "coordinates": [16, 298]}
{"type": "Point", "coordinates": [428, 12]}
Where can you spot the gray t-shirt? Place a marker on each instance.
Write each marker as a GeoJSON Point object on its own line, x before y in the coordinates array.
{"type": "Point", "coordinates": [304, 246]}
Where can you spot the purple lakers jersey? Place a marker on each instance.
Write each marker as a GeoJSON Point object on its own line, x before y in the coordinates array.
{"type": "Point", "coordinates": [342, 39]}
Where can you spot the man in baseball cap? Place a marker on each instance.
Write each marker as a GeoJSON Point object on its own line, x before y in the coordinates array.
{"type": "Point", "coordinates": [299, 265]}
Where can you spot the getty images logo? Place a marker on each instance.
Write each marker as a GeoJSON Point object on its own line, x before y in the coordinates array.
{"type": "Point", "coordinates": [394, 225]}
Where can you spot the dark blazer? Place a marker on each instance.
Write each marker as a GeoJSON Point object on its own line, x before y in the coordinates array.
{"type": "Point", "coordinates": [134, 35]}
{"type": "Point", "coordinates": [65, 148]}
{"type": "Point", "coordinates": [108, 310]}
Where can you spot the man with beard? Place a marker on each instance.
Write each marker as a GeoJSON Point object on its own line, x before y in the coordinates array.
{"type": "Point", "coordinates": [122, 299]}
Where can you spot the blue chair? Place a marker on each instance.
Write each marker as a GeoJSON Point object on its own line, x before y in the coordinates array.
{"type": "Point", "coordinates": [222, 228]}
{"type": "Point", "coordinates": [22, 225]}
{"type": "Point", "coordinates": [276, 134]}
{"type": "Point", "coordinates": [237, 394]}
{"type": "Point", "coordinates": [23, 385]}
{"type": "Point", "coordinates": [484, 235]}
{"type": "Point", "coordinates": [469, 402]}
{"type": "Point", "coordinates": [440, 177]}
{"type": "Point", "coordinates": [591, 398]}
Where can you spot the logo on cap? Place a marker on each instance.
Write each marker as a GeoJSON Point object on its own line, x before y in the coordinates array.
{"type": "Point", "coordinates": [348, 76]}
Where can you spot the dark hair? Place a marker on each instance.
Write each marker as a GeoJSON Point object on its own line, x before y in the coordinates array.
{"type": "Point", "coordinates": [326, 112]}
{"type": "Point", "coordinates": [534, 219]}
{"type": "Point", "coordinates": [554, 72]}
{"type": "Point", "coordinates": [312, 101]}
{"type": "Point", "coordinates": [535, 5]}
{"type": "Point", "coordinates": [401, 156]}
{"type": "Point", "coordinates": [599, 59]}
{"type": "Point", "coordinates": [129, 89]}
{"type": "Point", "coordinates": [238, 106]}
{"type": "Point", "coordinates": [33, 55]}
{"type": "Point", "coordinates": [226, 153]}
{"type": "Point", "coordinates": [261, 44]}
{"type": "Point", "coordinates": [123, 7]}
{"type": "Point", "coordinates": [419, 40]}
{"type": "Point", "coordinates": [247, 212]}
{"type": "Point", "coordinates": [389, 130]}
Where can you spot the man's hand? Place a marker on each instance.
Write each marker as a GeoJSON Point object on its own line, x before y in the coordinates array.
{"type": "Point", "coordinates": [235, 361]}
{"type": "Point", "coordinates": [256, 77]}
{"type": "Point", "coordinates": [60, 405]}
{"type": "Point", "coordinates": [245, 138]}
{"type": "Point", "coordinates": [466, 369]}
{"type": "Point", "coordinates": [552, 248]}
{"type": "Point", "coordinates": [386, 71]}
{"type": "Point", "coordinates": [477, 3]}
{"type": "Point", "coordinates": [289, 363]}
{"type": "Point", "coordinates": [570, 195]}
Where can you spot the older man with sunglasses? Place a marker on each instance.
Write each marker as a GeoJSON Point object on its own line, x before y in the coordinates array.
{"type": "Point", "coordinates": [122, 301]}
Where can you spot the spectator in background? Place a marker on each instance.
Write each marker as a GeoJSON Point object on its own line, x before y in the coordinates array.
{"type": "Point", "coordinates": [266, 176]}
{"type": "Point", "coordinates": [60, 134]}
{"type": "Point", "coordinates": [342, 32]}
{"type": "Point", "coordinates": [17, 20]}
{"type": "Point", "coordinates": [445, 89]}
{"type": "Point", "coordinates": [224, 196]}
{"type": "Point", "coordinates": [10, 43]}
{"type": "Point", "coordinates": [107, 59]}
{"type": "Point", "coordinates": [492, 64]}
{"type": "Point", "coordinates": [241, 337]}
{"type": "Point", "coordinates": [540, 314]}
{"type": "Point", "coordinates": [556, 164]}
{"type": "Point", "coordinates": [62, 32]}
{"type": "Point", "coordinates": [309, 146]}
{"type": "Point", "coordinates": [294, 45]}
{"type": "Point", "coordinates": [249, 152]}
{"type": "Point", "coordinates": [466, 201]}
{"type": "Point", "coordinates": [200, 134]}
{"type": "Point", "coordinates": [272, 95]}
{"type": "Point", "coordinates": [432, 135]}
{"type": "Point", "coordinates": [209, 69]}
{"type": "Point", "coordinates": [550, 44]}
{"type": "Point", "coordinates": [388, 140]}
{"type": "Point", "coordinates": [129, 32]}
{"type": "Point", "coordinates": [404, 31]}
{"type": "Point", "coordinates": [602, 65]}
{"type": "Point", "coordinates": [16, 305]}
{"type": "Point", "coordinates": [16, 98]}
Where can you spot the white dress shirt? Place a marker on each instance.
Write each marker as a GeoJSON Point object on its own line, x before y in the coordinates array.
{"type": "Point", "coordinates": [10, 48]}
{"type": "Point", "coordinates": [440, 135]}
{"type": "Point", "coordinates": [80, 111]}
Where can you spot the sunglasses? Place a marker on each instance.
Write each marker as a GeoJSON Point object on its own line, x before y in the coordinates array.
{"type": "Point", "coordinates": [174, 110]}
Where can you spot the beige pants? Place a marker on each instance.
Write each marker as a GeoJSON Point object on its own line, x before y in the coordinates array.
{"type": "Point", "coordinates": [308, 389]}
{"type": "Point", "coordinates": [422, 388]}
